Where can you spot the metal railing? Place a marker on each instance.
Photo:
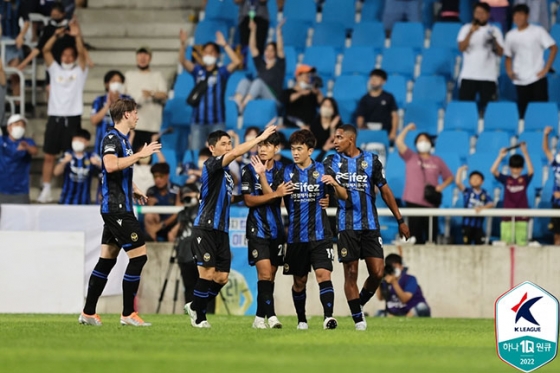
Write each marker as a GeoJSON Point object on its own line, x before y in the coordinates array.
{"type": "Point", "coordinates": [11, 70]}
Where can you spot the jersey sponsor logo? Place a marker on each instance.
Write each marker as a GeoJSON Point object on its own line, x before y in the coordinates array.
{"type": "Point", "coordinates": [353, 181]}
{"type": "Point", "coordinates": [305, 187]}
{"type": "Point", "coordinates": [229, 183]}
{"type": "Point", "coordinates": [245, 187]}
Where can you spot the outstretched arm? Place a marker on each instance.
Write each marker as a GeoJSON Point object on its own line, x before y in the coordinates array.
{"type": "Point", "coordinates": [187, 64]}
{"type": "Point", "coordinates": [280, 39]}
{"type": "Point", "coordinates": [530, 169]}
{"type": "Point", "coordinates": [494, 170]}
{"type": "Point", "coordinates": [399, 142]}
{"type": "Point", "coordinates": [545, 146]}
{"type": "Point", "coordinates": [243, 148]}
{"type": "Point", "coordinates": [459, 178]}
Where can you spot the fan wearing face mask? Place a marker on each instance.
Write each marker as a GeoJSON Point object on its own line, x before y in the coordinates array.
{"type": "Point", "coordinates": [325, 123]}
{"type": "Point", "coordinates": [422, 169]}
{"type": "Point", "coordinates": [302, 101]}
{"type": "Point", "coordinates": [15, 162]}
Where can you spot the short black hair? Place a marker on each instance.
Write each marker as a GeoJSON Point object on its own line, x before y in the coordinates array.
{"type": "Point", "coordinates": [378, 72]}
{"type": "Point", "coordinates": [304, 137]}
{"type": "Point", "coordinates": [347, 128]}
{"type": "Point", "coordinates": [204, 152]}
{"type": "Point", "coordinates": [215, 136]}
{"type": "Point", "coordinates": [160, 168]}
{"type": "Point", "coordinates": [430, 138]}
{"type": "Point", "coordinates": [520, 8]}
{"type": "Point", "coordinates": [476, 173]}
{"type": "Point", "coordinates": [110, 74]}
{"type": "Point", "coordinates": [273, 139]}
{"type": "Point", "coordinates": [214, 45]}
{"type": "Point", "coordinates": [251, 129]}
{"type": "Point", "coordinates": [516, 161]}
{"type": "Point", "coordinates": [83, 133]}
{"type": "Point", "coordinates": [393, 259]}
{"type": "Point", "coordinates": [484, 6]}
{"type": "Point", "coordinates": [58, 6]}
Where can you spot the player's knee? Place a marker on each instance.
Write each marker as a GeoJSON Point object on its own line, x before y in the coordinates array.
{"type": "Point", "coordinates": [137, 263]}
{"type": "Point", "coordinates": [351, 274]}
{"type": "Point", "coordinates": [220, 277]}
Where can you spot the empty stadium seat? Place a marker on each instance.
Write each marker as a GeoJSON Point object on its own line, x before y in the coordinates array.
{"type": "Point", "coordinates": [329, 34]}
{"type": "Point", "coordinates": [346, 109]}
{"type": "Point", "coordinates": [206, 31]}
{"type": "Point", "coordinates": [501, 116]}
{"type": "Point", "coordinates": [399, 60]}
{"type": "Point", "coordinates": [226, 11]}
{"type": "Point", "coordinates": [461, 116]}
{"type": "Point", "coordinates": [430, 89]}
{"type": "Point", "coordinates": [483, 162]}
{"type": "Point", "coordinates": [349, 87]}
{"type": "Point", "coordinates": [295, 33]}
{"type": "Point", "coordinates": [372, 10]}
{"type": "Point", "coordinates": [541, 232]}
{"type": "Point", "coordinates": [444, 35]}
{"type": "Point", "coordinates": [438, 61]}
{"type": "Point", "coordinates": [396, 85]}
{"type": "Point", "coordinates": [453, 161]}
{"type": "Point", "coordinates": [492, 141]}
{"type": "Point", "coordinates": [358, 60]}
{"type": "Point", "coordinates": [555, 33]}
{"type": "Point", "coordinates": [369, 34]}
{"type": "Point", "coordinates": [323, 59]}
{"type": "Point", "coordinates": [183, 85]}
{"type": "Point", "coordinates": [259, 112]}
{"type": "Point", "coordinates": [180, 113]}
{"type": "Point", "coordinates": [408, 34]}
{"type": "Point", "coordinates": [394, 171]}
{"type": "Point", "coordinates": [554, 87]}
{"type": "Point", "coordinates": [370, 136]}
{"type": "Point", "coordinates": [232, 114]}
{"type": "Point", "coordinates": [423, 114]}
{"type": "Point", "coordinates": [291, 60]}
{"type": "Point", "coordinates": [541, 114]}
{"type": "Point", "coordinates": [457, 142]}
{"type": "Point", "coordinates": [534, 140]}
{"type": "Point", "coordinates": [302, 10]}
{"type": "Point", "coordinates": [233, 81]}
{"type": "Point", "coordinates": [342, 11]}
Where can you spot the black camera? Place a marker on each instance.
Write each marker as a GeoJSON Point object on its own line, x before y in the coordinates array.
{"type": "Point", "coordinates": [316, 81]}
{"type": "Point", "coordinates": [389, 270]}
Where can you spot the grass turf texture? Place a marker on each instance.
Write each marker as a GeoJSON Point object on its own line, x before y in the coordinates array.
{"type": "Point", "coordinates": [57, 343]}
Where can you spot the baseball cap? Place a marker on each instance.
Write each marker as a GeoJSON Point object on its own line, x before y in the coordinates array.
{"type": "Point", "coordinates": [16, 118]}
{"type": "Point", "coordinates": [302, 69]}
{"type": "Point", "coordinates": [144, 49]}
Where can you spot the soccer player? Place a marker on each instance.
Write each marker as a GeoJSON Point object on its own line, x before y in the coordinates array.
{"type": "Point", "coordinates": [265, 229]}
{"type": "Point", "coordinates": [210, 230]}
{"type": "Point", "coordinates": [121, 229]}
{"type": "Point", "coordinates": [359, 173]}
{"type": "Point", "coordinates": [309, 233]}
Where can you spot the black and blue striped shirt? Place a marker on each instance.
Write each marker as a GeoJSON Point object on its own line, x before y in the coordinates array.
{"type": "Point", "coordinates": [76, 189]}
{"type": "Point", "coordinates": [211, 109]}
{"type": "Point", "coordinates": [116, 187]}
{"type": "Point", "coordinates": [472, 199]}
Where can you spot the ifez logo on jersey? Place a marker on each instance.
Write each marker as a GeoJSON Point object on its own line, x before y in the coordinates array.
{"type": "Point", "coordinates": [526, 327]}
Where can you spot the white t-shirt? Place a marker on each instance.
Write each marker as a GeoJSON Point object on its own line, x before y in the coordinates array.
{"type": "Point", "coordinates": [149, 111]}
{"type": "Point", "coordinates": [526, 48]}
{"type": "Point", "coordinates": [66, 98]}
{"type": "Point", "coordinates": [479, 61]}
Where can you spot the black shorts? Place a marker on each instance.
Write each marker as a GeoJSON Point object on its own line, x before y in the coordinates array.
{"type": "Point", "coordinates": [356, 245]}
{"type": "Point", "coordinates": [554, 225]}
{"type": "Point", "coordinates": [59, 133]}
{"type": "Point", "coordinates": [472, 235]}
{"type": "Point", "coordinates": [300, 257]}
{"type": "Point", "coordinates": [122, 230]}
{"type": "Point", "coordinates": [211, 249]}
{"type": "Point", "coordinates": [272, 249]}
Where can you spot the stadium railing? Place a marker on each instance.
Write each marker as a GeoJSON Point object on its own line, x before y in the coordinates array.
{"type": "Point", "coordinates": [11, 70]}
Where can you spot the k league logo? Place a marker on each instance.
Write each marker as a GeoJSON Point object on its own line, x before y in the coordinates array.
{"type": "Point", "coordinates": [526, 319]}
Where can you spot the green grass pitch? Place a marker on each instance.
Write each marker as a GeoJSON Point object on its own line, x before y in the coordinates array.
{"type": "Point", "coordinates": [57, 343]}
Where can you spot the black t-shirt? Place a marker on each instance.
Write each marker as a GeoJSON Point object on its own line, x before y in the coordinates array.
{"type": "Point", "coordinates": [321, 134]}
{"type": "Point", "coordinates": [377, 109]}
{"type": "Point", "coordinates": [303, 109]}
{"type": "Point", "coordinates": [61, 43]}
{"type": "Point", "coordinates": [273, 77]}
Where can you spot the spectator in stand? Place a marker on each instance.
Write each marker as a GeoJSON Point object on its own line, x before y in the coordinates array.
{"type": "Point", "coordinates": [524, 49]}
{"type": "Point", "coordinates": [15, 162]}
{"type": "Point", "coordinates": [499, 12]}
{"type": "Point", "coordinates": [209, 115]}
{"type": "Point", "coordinates": [194, 171]}
{"type": "Point", "coordinates": [538, 12]}
{"type": "Point", "coordinates": [325, 123]}
{"type": "Point", "coordinates": [271, 71]}
{"type": "Point", "coordinates": [474, 197]}
{"type": "Point", "coordinates": [162, 193]}
{"type": "Point", "coordinates": [65, 101]}
{"type": "Point", "coordinates": [515, 194]}
{"type": "Point", "coordinates": [253, 11]}
{"type": "Point", "coordinates": [3, 92]}
{"type": "Point", "coordinates": [401, 10]}
{"type": "Point", "coordinates": [149, 89]}
{"type": "Point", "coordinates": [482, 46]}
{"type": "Point", "coordinates": [449, 11]}
{"type": "Point", "coordinates": [554, 160]}
{"type": "Point", "coordinates": [302, 101]}
{"type": "Point", "coordinates": [10, 13]}
{"type": "Point", "coordinates": [422, 169]}
{"type": "Point", "coordinates": [378, 109]}
{"type": "Point", "coordinates": [78, 167]}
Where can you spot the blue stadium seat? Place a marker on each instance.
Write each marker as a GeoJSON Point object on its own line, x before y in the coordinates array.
{"type": "Point", "coordinates": [430, 89]}
{"type": "Point", "coordinates": [506, 89]}
{"type": "Point", "coordinates": [180, 113]}
{"type": "Point", "coordinates": [369, 34]}
{"type": "Point", "coordinates": [370, 136]}
{"type": "Point", "coordinates": [541, 232]}
{"type": "Point", "coordinates": [358, 60]}
{"type": "Point", "coordinates": [226, 11]}
{"type": "Point", "coordinates": [453, 161]}
{"type": "Point", "coordinates": [346, 110]}
{"type": "Point", "coordinates": [394, 171]}
{"type": "Point", "coordinates": [438, 61]}
{"type": "Point", "coordinates": [408, 34]}
{"type": "Point", "coordinates": [457, 142]}
{"type": "Point", "coordinates": [489, 141]}
{"type": "Point", "coordinates": [295, 33]}
{"type": "Point", "coordinates": [541, 114]}
{"type": "Point", "coordinates": [273, 13]}
{"type": "Point", "coordinates": [399, 60]}
{"type": "Point", "coordinates": [233, 81]}
{"type": "Point", "coordinates": [554, 87]}
{"type": "Point", "coordinates": [444, 35]}
{"type": "Point", "coordinates": [534, 141]}
{"type": "Point", "coordinates": [423, 114]}
{"type": "Point", "coordinates": [259, 112]}
{"type": "Point", "coordinates": [291, 61]}
{"type": "Point", "coordinates": [483, 162]}
{"type": "Point", "coordinates": [323, 59]}
{"type": "Point", "coordinates": [349, 87]}
{"type": "Point", "coordinates": [555, 32]}
{"type": "Point", "coordinates": [461, 115]}
{"type": "Point", "coordinates": [329, 34]}
{"type": "Point", "coordinates": [206, 31]}
{"type": "Point", "coordinates": [501, 116]}
{"type": "Point", "coordinates": [232, 114]}
{"type": "Point", "coordinates": [396, 85]}
{"type": "Point", "coordinates": [342, 11]}
{"type": "Point", "coordinates": [302, 10]}
{"type": "Point", "coordinates": [183, 85]}
{"type": "Point", "coordinates": [409, 141]}
{"type": "Point", "coordinates": [372, 10]}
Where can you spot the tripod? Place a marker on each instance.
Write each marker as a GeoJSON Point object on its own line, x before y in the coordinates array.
{"type": "Point", "coordinates": [172, 260]}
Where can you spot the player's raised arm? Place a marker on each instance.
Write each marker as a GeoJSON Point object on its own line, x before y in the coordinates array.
{"type": "Point", "coordinates": [243, 148]}
{"type": "Point", "coordinates": [113, 163]}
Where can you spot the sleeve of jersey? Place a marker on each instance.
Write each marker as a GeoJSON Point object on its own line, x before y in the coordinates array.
{"type": "Point", "coordinates": [411, 285]}
{"type": "Point", "coordinates": [246, 180]}
{"type": "Point", "coordinates": [110, 145]}
{"type": "Point", "coordinates": [329, 166]}
{"type": "Point", "coordinates": [96, 106]}
{"type": "Point", "coordinates": [378, 174]}
{"type": "Point", "coordinates": [214, 163]}
{"type": "Point", "coordinates": [502, 178]}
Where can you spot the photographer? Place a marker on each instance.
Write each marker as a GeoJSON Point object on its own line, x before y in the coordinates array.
{"type": "Point", "coordinates": [302, 101]}
{"type": "Point", "coordinates": [401, 291]}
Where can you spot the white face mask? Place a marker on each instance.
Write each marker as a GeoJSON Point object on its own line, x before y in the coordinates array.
{"type": "Point", "coordinates": [67, 66]}
{"type": "Point", "coordinates": [423, 146]}
{"type": "Point", "coordinates": [557, 158]}
{"type": "Point", "coordinates": [17, 132]}
{"type": "Point", "coordinates": [304, 85]}
{"type": "Point", "coordinates": [78, 146]}
{"type": "Point", "coordinates": [116, 87]}
{"type": "Point", "coordinates": [209, 60]}
{"type": "Point", "coordinates": [326, 112]}
{"type": "Point", "coordinates": [398, 272]}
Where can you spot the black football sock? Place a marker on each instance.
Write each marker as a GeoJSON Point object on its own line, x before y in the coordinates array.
{"type": "Point", "coordinates": [271, 310]}
{"type": "Point", "coordinates": [299, 304]}
{"type": "Point", "coordinates": [97, 282]}
{"type": "Point", "coordinates": [214, 290]}
{"type": "Point", "coordinates": [261, 306]}
{"type": "Point", "coordinates": [131, 282]}
{"type": "Point", "coordinates": [200, 302]}
{"type": "Point", "coordinates": [326, 293]}
{"type": "Point", "coordinates": [365, 296]}
{"type": "Point", "coordinates": [356, 310]}
{"type": "Point", "coordinates": [266, 298]}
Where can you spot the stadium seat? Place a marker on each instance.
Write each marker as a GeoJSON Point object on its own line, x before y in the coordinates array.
{"type": "Point", "coordinates": [372, 10]}
{"type": "Point", "coordinates": [180, 113]}
{"type": "Point", "coordinates": [330, 34]}
{"type": "Point", "coordinates": [501, 116]}
{"type": "Point", "coordinates": [342, 11]}
{"type": "Point", "coordinates": [349, 87]}
{"type": "Point", "coordinates": [295, 33]}
{"type": "Point", "coordinates": [483, 162]}
{"type": "Point", "coordinates": [430, 89]}
{"type": "Point", "coordinates": [534, 139]}
{"type": "Point", "coordinates": [301, 10]}
{"type": "Point", "coordinates": [366, 137]}
{"type": "Point", "coordinates": [399, 60]}
{"type": "Point", "coordinates": [323, 59]}
{"type": "Point", "coordinates": [444, 35]}
{"type": "Point", "coordinates": [410, 139]}
{"type": "Point", "coordinates": [394, 171]}
{"type": "Point", "coordinates": [453, 161]}
{"type": "Point", "coordinates": [457, 142]}
{"type": "Point", "coordinates": [506, 89]}
{"type": "Point", "coordinates": [291, 61]}
{"type": "Point", "coordinates": [438, 61]}
{"type": "Point", "coordinates": [258, 113]}
{"type": "Point", "coordinates": [541, 114]}
{"type": "Point", "coordinates": [273, 13]}
{"type": "Point", "coordinates": [396, 85]}
{"type": "Point", "coordinates": [555, 33]}
{"type": "Point", "coordinates": [206, 31]}
{"type": "Point", "coordinates": [232, 114]}
{"type": "Point", "coordinates": [369, 34]}
{"type": "Point", "coordinates": [220, 10]}
{"type": "Point", "coordinates": [423, 114]}
{"type": "Point", "coordinates": [233, 81]}
{"type": "Point", "coordinates": [408, 34]}
{"type": "Point", "coordinates": [346, 109]}
{"type": "Point", "coordinates": [541, 232]}
{"type": "Point", "coordinates": [554, 87]}
{"type": "Point", "coordinates": [358, 60]}
{"type": "Point", "coordinates": [461, 115]}
{"type": "Point", "coordinates": [288, 132]}
{"type": "Point", "coordinates": [489, 141]}
{"type": "Point", "coordinates": [183, 85]}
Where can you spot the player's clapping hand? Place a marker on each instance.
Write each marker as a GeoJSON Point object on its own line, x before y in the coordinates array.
{"type": "Point", "coordinates": [258, 165]}
{"type": "Point", "coordinates": [149, 149]}
{"type": "Point", "coordinates": [140, 197]}
{"type": "Point", "coordinates": [285, 189]}
{"type": "Point", "coordinates": [324, 202]}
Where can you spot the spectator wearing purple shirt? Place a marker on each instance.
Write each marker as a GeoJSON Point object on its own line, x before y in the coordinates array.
{"type": "Point", "coordinates": [422, 168]}
{"type": "Point", "coordinates": [515, 194]}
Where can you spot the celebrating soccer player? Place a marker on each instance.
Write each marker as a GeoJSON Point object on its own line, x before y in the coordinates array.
{"type": "Point", "coordinates": [121, 229]}
{"type": "Point", "coordinates": [359, 238]}
{"type": "Point", "coordinates": [210, 230]}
